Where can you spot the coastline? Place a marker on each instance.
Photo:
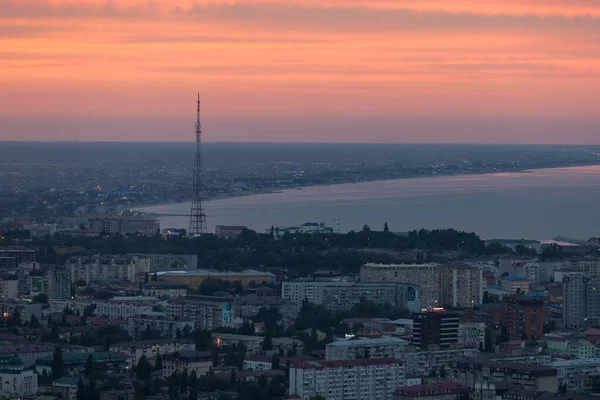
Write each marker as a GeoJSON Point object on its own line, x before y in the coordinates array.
{"type": "Point", "coordinates": [282, 189]}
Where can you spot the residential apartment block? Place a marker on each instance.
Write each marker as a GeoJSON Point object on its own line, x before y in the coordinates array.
{"type": "Point", "coordinates": [341, 295]}
{"type": "Point", "coordinates": [523, 317]}
{"type": "Point", "coordinates": [578, 374]}
{"type": "Point", "coordinates": [461, 285]}
{"type": "Point", "coordinates": [124, 225]}
{"type": "Point", "coordinates": [435, 330]}
{"type": "Point", "coordinates": [353, 349]}
{"type": "Point", "coordinates": [575, 300]}
{"type": "Point", "coordinates": [425, 276]}
{"type": "Point", "coordinates": [373, 379]}
{"type": "Point", "coordinates": [470, 371]}
{"type": "Point", "coordinates": [187, 360]}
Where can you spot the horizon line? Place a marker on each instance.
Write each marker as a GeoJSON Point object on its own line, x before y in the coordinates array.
{"type": "Point", "coordinates": [300, 143]}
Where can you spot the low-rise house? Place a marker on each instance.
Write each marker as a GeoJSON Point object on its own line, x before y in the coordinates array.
{"type": "Point", "coordinates": [199, 361]}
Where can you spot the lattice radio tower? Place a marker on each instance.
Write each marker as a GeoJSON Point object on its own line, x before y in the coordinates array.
{"type": "Point", "coordinates": [197, 214]}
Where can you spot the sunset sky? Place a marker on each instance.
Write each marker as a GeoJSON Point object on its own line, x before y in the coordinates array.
{"type": "Point", "coordinates": [487, 71]}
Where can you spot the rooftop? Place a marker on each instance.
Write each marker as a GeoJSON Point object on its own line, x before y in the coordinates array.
{"type": "Point", "coordinates": [432, 389]}
{"type": "Point", "coordinates": [81, 358]}
{"type": "Point", "coordinates": [346, 363]}
{"type": "Point", "coordinates": [575, 363]}
{"type": "Point", "coordinates": [513, 278]}
{"type": "Point", "coordinates": [203, 272]}
{"type": "Point", "coordinates": [367, 342]}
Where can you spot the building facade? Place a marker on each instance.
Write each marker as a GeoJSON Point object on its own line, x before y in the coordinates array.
{"type": "Point", "coordinates": [435, 330]}
{"type": "Point", "coordinates": [374, 379]}
{"type": "Point", "coordinates": [523, 317]}
{"type": "Point", "coordinates": [354, 349]}
{"type": "Point", "coordinates": [187, 360]}
{"type": "Point", "coordinates": [16, 381]}
{"type": "Point", "coordinates": [578, 374]}
{"type": "Point", "coordinates": [470, 371]}
{"type": "Point", "coordinates": [461, 285]}
{"type": "Point", "coordinates": [433, 391]}
{"type": "Point", "coordinates": [425, 276]}
{"type": "Point", "coordinates": [575, 299]}
{"type": "Point", "coordinates": [124, 225]}
{"type": "Point", "coordinates": [342, 295]}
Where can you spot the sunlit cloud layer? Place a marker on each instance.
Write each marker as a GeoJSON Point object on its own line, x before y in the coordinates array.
{"type": "Point", "coordinates": [292, 70]}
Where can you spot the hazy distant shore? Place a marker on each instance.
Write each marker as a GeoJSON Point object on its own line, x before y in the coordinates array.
{"type": "Point", "coordinates": [142, 206]}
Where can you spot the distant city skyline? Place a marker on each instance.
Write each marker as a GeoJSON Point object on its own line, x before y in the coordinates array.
{"type": "Point", "coordinates": [379, 71]}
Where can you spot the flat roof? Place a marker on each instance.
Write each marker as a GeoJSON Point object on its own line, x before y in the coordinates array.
{"type": "Point", "coordinates": [203, 272]}
{"type": "Point", "coordinates": [575, 363]}
{"type": "Point", "coordinates": [367, 342]}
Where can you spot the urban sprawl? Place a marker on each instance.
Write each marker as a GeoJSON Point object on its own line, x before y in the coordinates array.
{"type": "Point", "coordinates": [113, 307]}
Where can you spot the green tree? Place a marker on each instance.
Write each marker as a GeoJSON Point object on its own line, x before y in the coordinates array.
{"type": "Point", "coordinates": [275, 362]}
{"type": "Point", "coordinates": [89, 366]}
{"type": "Point", "coordinates": [81, 392]}
{"type": "Point", "coordinates": [144, 369]}
{"type": "Point", "coordinates": [58, 366]}
{"type": "Point", "coordinates": [184, 382]}
{"type": "Point", "coordinates": [41, 298]}
{"type": "Point", "coordinates": [34, 323]}
{"type": "Point", "coordinates": [267, 343]}
{"type": "Point", "coordinates": [158, 365]}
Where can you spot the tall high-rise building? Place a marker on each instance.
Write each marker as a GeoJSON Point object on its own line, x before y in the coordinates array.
{"type": "Point", "coordinates": [592, 306]}
{"type": "Point", "coordinates": [435, 329]}
{"type": "Point", "coordinates": [461, 285]}
{"type": "Point", "coordinates": [575, 295]}
{"type": "Point", "coordinates": [426, 276]}
{"type": "Point", "coordinates": [523, 317]}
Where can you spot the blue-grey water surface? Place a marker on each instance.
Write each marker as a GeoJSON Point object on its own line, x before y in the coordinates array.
{"type": "Point", "coordinates": [538, 204]}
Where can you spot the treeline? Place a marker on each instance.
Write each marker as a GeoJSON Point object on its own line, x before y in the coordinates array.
{"type": "Point", "coordinates": [301, 253]}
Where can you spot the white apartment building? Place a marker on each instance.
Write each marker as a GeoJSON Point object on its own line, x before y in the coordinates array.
{"type": "Point", "coordinates": [341, 295]}
{"type": "Point", "coordinates": [373, 379]}
{"type": "Point", "coordinates": [575, 291]}
{"type": "Point", "coordinates": [298, 290]}
{"type": "Point", "coordinates": [353, 349]}
{"type": "Point", "coordinates": [589, 267]}
{"type": "Point", "coordinates": [107, 267]}
{"type": "Point", "coordinates": [471, 334]}
{"type": "Point", "coordinates": [426, 276]}
{"type": "Point", "coordinates": [577, 374]}
{"type": "Point", "coordinates": [461, 285]}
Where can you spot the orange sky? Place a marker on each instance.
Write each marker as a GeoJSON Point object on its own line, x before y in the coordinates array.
{"type": "Point", "coordinates": [490, 71]}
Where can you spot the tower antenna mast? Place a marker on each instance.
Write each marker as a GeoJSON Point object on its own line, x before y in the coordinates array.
{"type": "Point", "coordinates": [197, 214]}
